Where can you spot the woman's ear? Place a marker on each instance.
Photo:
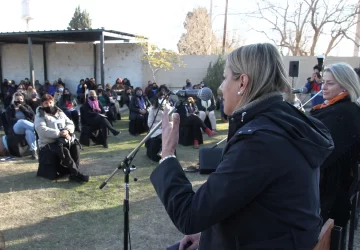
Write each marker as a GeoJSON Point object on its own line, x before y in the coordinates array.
{"type": "Point", "coordinates": [243, 81]}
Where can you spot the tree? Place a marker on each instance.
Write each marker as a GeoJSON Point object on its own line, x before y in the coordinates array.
{"type": "Point", "coordinates": [196, 40]}
{"type": "Point", "coordinates": [80, 20]}
{"type": "Point", "coordinates": [157, 58]}
{"type": "Point", "coordinates": [299, 27]}
{"type": "Point", "coordinates": [214, 75]}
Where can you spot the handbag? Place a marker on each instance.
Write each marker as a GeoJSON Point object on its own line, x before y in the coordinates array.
{"type": "Point", "coordinates": [62, 141]}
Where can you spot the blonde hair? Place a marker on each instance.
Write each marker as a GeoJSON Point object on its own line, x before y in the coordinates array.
{"type": "Point", "coordinates": [15, 95]}
{"type": "Point", "coordinates": [263, 65]}
{"type": "Point", "coordinates": [346, 76]}
{"type": "Point", "coordinates": [93, 92]}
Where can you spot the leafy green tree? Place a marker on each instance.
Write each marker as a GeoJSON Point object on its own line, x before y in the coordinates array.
{"type": "Point", "coordinates": [80, 20]}
{"type": "Point", "coordinates": [215, 73]}
{"type": "Point", "coordinates": [159, 59]}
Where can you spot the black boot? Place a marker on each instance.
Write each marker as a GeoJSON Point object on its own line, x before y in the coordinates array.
{"type": "Point", "coordinates": [76, 123]}
{"type": "Point", "coordinates": [79, 177]}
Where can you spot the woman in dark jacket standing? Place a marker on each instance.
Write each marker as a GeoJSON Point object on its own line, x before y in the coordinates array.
{"type": "Point", "coordinates": [265, 192]}
{"type": "Point", "coordinates": [341, 115]}
{"type": "Point", "coordinates": [20, 118]}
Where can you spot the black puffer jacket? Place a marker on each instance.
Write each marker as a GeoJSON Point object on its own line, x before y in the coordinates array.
{"type": "Point", "coordinates": [11, 112]}
{"type": "Point", "coordinates": [264, 193]}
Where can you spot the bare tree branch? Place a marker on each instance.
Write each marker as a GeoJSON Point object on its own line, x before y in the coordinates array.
{"type": "Point", "coordinates": [298, 28]}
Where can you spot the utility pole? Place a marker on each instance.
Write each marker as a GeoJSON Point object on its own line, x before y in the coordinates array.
{"type": "Point", "coordinates": [210, 17]}
{"type": "Point", "coordinates": [225, 24]}
{"type": "Point", "coordinates": [357, 34]}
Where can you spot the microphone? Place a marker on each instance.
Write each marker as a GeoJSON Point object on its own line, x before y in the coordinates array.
{"type": "Point", "coordinates": [297, 91]}
{"type": "Point", "coordinates": [204, 94]}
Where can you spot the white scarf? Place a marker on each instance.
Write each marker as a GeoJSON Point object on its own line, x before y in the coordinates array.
{"type": "Point", "coordinates": [206, 104]}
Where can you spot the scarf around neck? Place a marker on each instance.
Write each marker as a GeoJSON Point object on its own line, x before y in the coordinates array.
{"type": "Point", "coordinates": [94, 105]}
{"type": "Point", "coordinates": [332, 101]}
{"type": "Point", "coordinates": [141, 103]}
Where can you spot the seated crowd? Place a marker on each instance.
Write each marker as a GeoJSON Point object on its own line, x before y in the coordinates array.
{"type": "Point", "coordinates": [42, 119]}
{"type": "Point", "coordinates": [92, 111]}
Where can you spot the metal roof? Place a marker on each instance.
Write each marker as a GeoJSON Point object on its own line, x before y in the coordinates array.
{"type": "Point", "coordinates": [70, 35]}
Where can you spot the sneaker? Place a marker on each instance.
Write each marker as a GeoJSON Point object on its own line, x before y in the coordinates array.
{"type": "Point", "coordinates": [116, 133]}
{"type": "Point", "coordinates": [209, 132]}
{"type": "Point", "coordinates": [79, 177]}
{"type": "Point", "coordinates": [34, 155]}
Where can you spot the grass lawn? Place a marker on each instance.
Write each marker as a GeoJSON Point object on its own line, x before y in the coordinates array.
{"type": "Point", "coordinates": [40, 214]}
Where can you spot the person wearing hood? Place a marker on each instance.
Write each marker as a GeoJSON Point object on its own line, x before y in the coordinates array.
{"type": "Point", "coordinates": [188, 85]}
{"type": "Point", "coordinates": [341, 115]}
{"type": "Point", "coordinates": [264, 193]}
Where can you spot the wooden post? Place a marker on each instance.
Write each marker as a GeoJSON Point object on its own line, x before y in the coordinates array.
{"type": "Point", "coordinates": [102, 59]}
{"type": "Point", "coordinates": [210, 17]}
{"type": "Point", "coordinates": [45, 62]}
{"type": "Point", "coordinates": [95, 61]}
{"type": "Point", "coordinates": [31, 63]}
{"type": "Point", "coordinates": [225, 24]}
{"type": "Point", "coordinates": [1, 70]}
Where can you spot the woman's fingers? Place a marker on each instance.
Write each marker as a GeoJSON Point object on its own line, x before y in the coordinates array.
{"type": "Point", "coordinates": [165, 118]}
{"type": "Point", "coordinates": [176, 124]}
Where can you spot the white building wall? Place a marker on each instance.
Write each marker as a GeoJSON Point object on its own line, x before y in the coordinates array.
{"type": "Point", "coordinates": [121, 60]}
{"type": "Point", "coordinates": [73, 62]}
{"type": "Point", "coordinates": [15, 62]}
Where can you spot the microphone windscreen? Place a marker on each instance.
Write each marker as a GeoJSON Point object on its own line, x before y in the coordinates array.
{"type": "Point", "coordinates": [205, 94]}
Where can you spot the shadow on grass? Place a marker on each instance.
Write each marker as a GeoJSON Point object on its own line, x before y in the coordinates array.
{"type": "Point", "coordinates": [98, 229]}
{"type": "Point", "coordinates": [29, 181]}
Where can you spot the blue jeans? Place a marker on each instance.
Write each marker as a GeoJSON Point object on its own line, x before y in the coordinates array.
{"type": "Point", "coordinates": [24, 127]}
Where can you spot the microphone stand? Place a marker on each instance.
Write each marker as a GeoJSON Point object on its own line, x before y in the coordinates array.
{"type": "Point", "coordinates": [318, 93]}
{"type": "Point", "coordinates": [125, 166]}
{"type": "Point", "coordinates": [217, 144]}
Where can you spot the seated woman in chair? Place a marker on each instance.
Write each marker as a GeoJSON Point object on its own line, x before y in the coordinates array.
{"type": "Point", "coordinates": [207, 109]}
{"type": "Point", "coordinates": [67, 104]}
{"type": "Point", "coordinates": [104, 99]}
{"type": "Point", "coordinates": [114, 102]}
{"type": "Point", "coordinates": [20, 119]}
{"type": "Point", "coordinates": [138, 112]}
{"type": "Point", "coordinates": [126, 96]}
{"type": "Point", "coordinates": [187, 111]}
{"type": "Point", "coordinates": [156, 112]}
{"type": "Point", "coordinates": [93, 115]}
{"type": "Point", "coordinates": [33, 100]}
{"type": "Point", "coordinates": [52, 124]}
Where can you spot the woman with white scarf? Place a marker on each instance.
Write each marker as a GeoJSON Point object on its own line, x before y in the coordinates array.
{"type": "Point", "coordinates": [207, 109]}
